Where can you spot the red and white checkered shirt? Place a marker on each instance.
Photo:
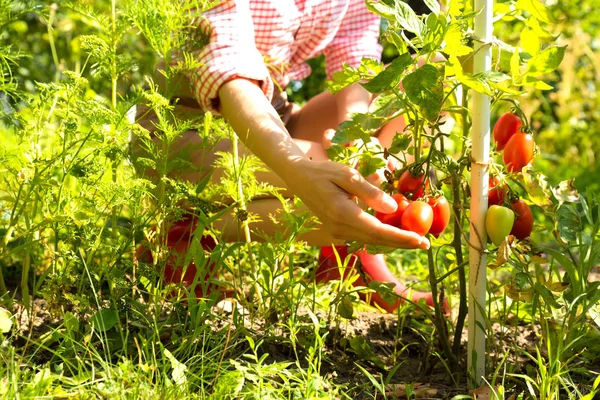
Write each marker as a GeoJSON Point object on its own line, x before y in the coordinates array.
{"type": "Point", "coordinates": [271, 40]}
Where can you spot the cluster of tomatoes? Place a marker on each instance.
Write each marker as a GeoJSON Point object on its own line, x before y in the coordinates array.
{"type": "Point", "coordinates": [516, 218]}
{"type": "Point", "coordinates": [414, 213]}
{"type": "Point", "coordinates": [517, 147]}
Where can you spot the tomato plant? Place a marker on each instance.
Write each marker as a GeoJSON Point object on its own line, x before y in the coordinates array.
{"type": "Point", "coordinates": [518, 151]}
{"type": "Point", "coordinates": [441, 215]}
{"type": "Point", "coordinates": [417, 217]}
{"type": "Point", "coordinates": [412, 185]}
{"type": "Point", "coordinates": [507, 125]}
{"type": "Point", "coordinates": [394, 218]}
{"type": "Point", "coordinates": [523, 220]}
{"type": "Point", "coordinates": [496, 193]}
{"type": "Point", "coordinates": [498, 223]}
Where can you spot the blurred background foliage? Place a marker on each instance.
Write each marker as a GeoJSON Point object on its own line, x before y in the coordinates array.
{"type": "Point", "coordinates": [566, 121]}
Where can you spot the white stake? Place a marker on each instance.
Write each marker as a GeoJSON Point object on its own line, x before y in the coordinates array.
{"type": "Point", "coordinates": [479, 200]}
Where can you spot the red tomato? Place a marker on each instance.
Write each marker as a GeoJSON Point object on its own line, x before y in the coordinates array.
{"type": "Point", "coordinates": [495, 194]}
{"type": "Point", "coordinates": [394, 218]}
{"type": "Point", "coordinates": [411, 186]}
{"type": "Point", "coordinates": [523, 220]}
{"type": "Point", "coordinates": [507, 125]}
{"type": "Point", "coordinates": [518, 151]}
{"type": "Point", "coordinates": [417, 217]}
{"type": "Point", "coordinates": [441, 215]}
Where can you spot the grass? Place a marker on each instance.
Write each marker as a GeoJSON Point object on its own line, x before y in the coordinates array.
{"type": "Point", "coordinates": [82, 317]}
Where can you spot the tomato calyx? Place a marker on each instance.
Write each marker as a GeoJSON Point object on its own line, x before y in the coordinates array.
{"type": "Point", "coordinates": [412, 182]}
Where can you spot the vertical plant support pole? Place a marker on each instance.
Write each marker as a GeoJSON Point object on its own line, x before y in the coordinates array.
{"type": "Point", "coordinates": [482, 61]}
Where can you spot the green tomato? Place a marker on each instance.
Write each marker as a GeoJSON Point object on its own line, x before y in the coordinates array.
{"type": "Point", "coordinates": [498, 223]}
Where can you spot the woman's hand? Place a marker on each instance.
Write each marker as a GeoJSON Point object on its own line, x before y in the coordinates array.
{"type": "Point", "coordinates": [329, 189]}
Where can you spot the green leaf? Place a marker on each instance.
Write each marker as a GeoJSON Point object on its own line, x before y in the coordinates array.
{"type": "Point", "coordinates": [476, 83]}
{"type": "Point", "coordinates": [359, 128]}
{"type": "Point", "coordinates": [566, 263]}
{"type": "Point", "coordinates": [386, 290]}
{"type": "Point", "coordinates": [569, 223]}
{"type": "Point", "coordinates": [546, 61]}
{"type": "Point", "coordinates": [536, 83]}
{"type": "Point", "coordinates": [362, 349]}
{"type": "Point", "coordinates": [424, 87]}
{"type": "Point", "coordinates": [536, 9]}
{"type": "Point", "coordinates": [381, 9]}
{"type": "Point", "coordinates": [546, 295]}
{"type": "Point", "coordinates": [345, 308]}
{"type": "Point", "coordinates": [202, 184]}
{"type": "Point", "coordinates": [390, 77]}
{"type": "Point", "coordinates": [400, 143]}
{"type": "Point", "coordinates": [385, 105]}
{"type": "Point", "coordinates": [398, 41]}
{"type": "Point", "coordinates": [408, 20]}
{"type": "Point", "coordinates": [5, 321]}
{"type": "Point", "coordinates": [369, 164]}
{"type": "Point", "coordinates": [433, 5]}
{"type": "Point", "coordinates": [104, 319]}
{"type": "Point", "coordinates": [342, 79]}
{"type": "Point", "coordinates": [71, 322]}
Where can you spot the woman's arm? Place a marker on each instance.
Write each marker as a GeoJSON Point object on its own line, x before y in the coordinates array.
{"type": "Point", "coordinates": [326, 188]}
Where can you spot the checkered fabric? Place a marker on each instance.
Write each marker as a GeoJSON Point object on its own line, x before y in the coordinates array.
{"type": "Point", "coordinates": [271, 40]}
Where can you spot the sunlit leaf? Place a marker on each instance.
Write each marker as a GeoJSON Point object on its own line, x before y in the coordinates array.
{"type": "Point", "coordinates": [5, 320]}
{"type": "Point", "coordinates": [537, 187]}
{"type": "Point", "coordinates": [433, 5]}
{"type": "Point", "coordinates": [535, 83]}
{"type": "Point", "coordinates": [557, 287]}
{"type": "Point", "coordinates": [546, 61]}
{"type": "Point", "coordinates": [455, 42]}
{"type": "Point", "coordinates": [530, 42]}
{"type": "Point", "coordinates": [536, 9]}
{"type": "Point", "coordinates": [179, 368]}
{"type": "Point", "coordinates": [382, 9]}
{"type": "Point", "coordinates": [407, 19]}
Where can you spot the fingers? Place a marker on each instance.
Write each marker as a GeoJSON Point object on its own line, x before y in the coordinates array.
{"type": "Point", "coordinates": [353, 182]}
{"type": "Point", "coordinates": [364, 228]}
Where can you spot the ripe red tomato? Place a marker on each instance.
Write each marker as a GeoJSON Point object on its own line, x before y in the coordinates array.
{"type": "Point", "coordinates": [518, 151]}
{"type": "Point", "coordinates": [411, 186]}
{"type": "Point", "coordinates": [523, 220]}
{"type": "Point", "coordinates": [507, 125]}
{"type": "Point", "coordinates": [495, 194]}
{"type": "Point", "coordinates": [394, 218]}
{"type": "Point", "coordinates": [417, 217]}
{"type": "Point", "coordinates": [498, 223]}
{"type": "Point", "coordinates": [441, 215]}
